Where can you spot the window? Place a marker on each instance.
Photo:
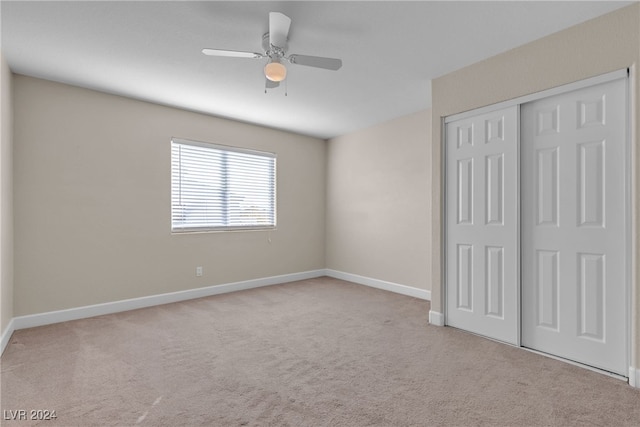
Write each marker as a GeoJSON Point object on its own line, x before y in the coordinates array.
{"type": "Point", "coordinates": [215, 187]}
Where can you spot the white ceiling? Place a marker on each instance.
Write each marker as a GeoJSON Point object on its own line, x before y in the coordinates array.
{"type": "Point", "coordinates": [151, 50]}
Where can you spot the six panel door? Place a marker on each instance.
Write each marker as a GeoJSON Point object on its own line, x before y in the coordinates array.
{"type": "Point", "coordinates": [573, 226]}
{"type": "Point", "coordinates": [481, 225]}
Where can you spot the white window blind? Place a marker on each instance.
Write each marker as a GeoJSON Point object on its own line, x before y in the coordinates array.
{"type": "Point", "coordinates": [216, 187]}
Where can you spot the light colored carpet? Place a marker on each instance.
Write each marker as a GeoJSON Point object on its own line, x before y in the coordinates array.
{"type": "Point", "coordinates": [320, 352]}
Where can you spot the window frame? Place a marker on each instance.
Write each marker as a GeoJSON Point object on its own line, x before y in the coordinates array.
{"type": "Point", "coordinates": [226, 149]}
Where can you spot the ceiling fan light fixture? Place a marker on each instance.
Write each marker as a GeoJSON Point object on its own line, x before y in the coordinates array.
{"type": "Point", "coordinates": [274, 46]}
{"type": "Point", "coordinates": [275, 71]}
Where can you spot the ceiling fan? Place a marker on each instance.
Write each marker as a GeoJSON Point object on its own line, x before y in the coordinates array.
{"type": "Point", "coordinates": [274, 44]}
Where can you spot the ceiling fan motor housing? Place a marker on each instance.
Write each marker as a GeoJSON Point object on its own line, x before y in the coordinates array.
{"type": "Point", "coordinates": [271, 51]}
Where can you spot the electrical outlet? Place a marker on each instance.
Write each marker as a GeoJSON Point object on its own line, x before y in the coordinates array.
{"type": "Point", "coordinates": [199, 271]}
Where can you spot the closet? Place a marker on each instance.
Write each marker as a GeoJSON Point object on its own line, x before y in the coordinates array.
{"type": "Point", "coordinates": [537, 213]}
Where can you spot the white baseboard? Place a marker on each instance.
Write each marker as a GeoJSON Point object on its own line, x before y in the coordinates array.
{"type": "Point", "coordinates": [634, 377]}
{"type": "Point", "coordinates": [41, 319]}
{"type": "Point", "coordinates": [435, 318]}
{"type": "Point", "coordinates": [6, 336]}
{"type": "Point", "coordinates": [380, 284]}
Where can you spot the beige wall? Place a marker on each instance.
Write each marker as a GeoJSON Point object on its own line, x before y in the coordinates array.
{"type": "Point", "coordinates": [6, 196]}
{"type": "Point", "coordinates": [92, 201]}
{"type": "Point", "coordinates": [607, 43]}
{"type": "Point", "coordinates": [378, 201]}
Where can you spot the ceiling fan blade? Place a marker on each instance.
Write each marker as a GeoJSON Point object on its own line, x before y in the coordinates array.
{"type": "Point", "coordinates": [279, 24]}
{"type": "Point", "coordinates": [231, 53]}
{"type": "Point", "coordinates": [316, 61]}
{"type": "Point", "coordinates": [271, 85]}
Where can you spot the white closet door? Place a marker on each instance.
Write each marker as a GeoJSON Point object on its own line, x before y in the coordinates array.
{"type": "Point", "coordinates": [481, 224]}
{"type": "Point", "coordinates": [573, 226]}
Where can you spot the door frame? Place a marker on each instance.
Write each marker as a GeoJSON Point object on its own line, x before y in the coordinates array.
{"type": "Point", "coordinates": [631, 204]}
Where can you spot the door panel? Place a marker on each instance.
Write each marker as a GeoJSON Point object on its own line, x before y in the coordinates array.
{"type": "Point", "coordinates": [482, 227]}
{"type": "Point", "coordinates": [546, 289]}
{"type": "Point", "coordinates": [573, 226]}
